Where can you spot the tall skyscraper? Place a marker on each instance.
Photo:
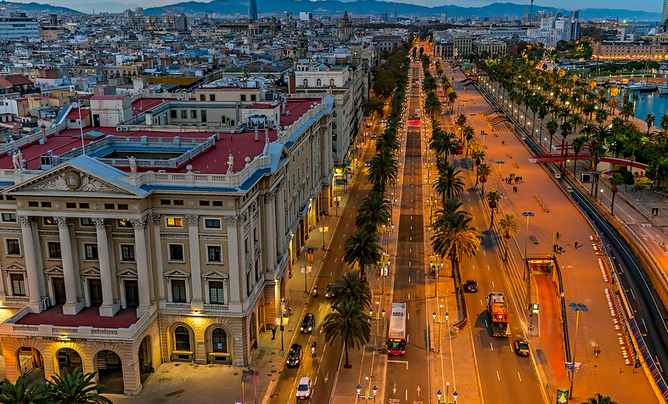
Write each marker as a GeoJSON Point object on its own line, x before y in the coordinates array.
{"type": "Point", "coordinates": [252, 10]}
{"type": "Point", "coordinates": [664, 16]}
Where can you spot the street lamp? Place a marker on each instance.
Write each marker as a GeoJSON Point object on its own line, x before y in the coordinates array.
{"type": "Point", "coordinates": [439, 395]}
{"type": "Point", "coordinates": [578, 308]}
{"type": "Point", "coordinates": [359, 390]}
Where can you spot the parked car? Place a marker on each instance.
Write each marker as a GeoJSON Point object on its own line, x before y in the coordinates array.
{"type": "Point", "coordinates": [470, 286]}
{"type": "Point", "coordinates": [329, 292]}
{"type": "Point", "coordinates": [521, 347]}
{"type": "Point", "coordinates": [304, 388]}
{"type": "Point", "coordinates": [308, 323]}
{"type": "Point", "coordinates": [294, 356]}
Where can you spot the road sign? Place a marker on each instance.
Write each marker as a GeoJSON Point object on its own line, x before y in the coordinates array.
{"type": "Point", "coordinates": [562, 396]}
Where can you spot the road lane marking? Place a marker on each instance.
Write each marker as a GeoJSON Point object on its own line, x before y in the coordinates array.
{"type": "Point", "coordinates": [498, 375]}
{"type": "Point", "coordinates": [491, 346]}
{"type": "Point", "coordinates": [406, 394]}
{"type": "Point", "coordinates": [519, 376]}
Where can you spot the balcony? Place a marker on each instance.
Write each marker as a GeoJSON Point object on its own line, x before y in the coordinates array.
{"type": "Point", "coordinates": [87, 324]}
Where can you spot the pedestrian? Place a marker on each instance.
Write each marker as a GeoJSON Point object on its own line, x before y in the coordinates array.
{"type": "Point", "coordinates": [273, 332]}
{"type": "Point", "coordinates": [514, 188]}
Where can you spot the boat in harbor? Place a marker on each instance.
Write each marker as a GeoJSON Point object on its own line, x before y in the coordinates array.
{"type": "Point", "coordinates": [642, 87]}
{"type": "Point", "coordinates": [663, 89]}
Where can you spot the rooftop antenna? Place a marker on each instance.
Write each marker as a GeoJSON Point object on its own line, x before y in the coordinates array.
{"type": "Point", "coordinates": [81, 133]}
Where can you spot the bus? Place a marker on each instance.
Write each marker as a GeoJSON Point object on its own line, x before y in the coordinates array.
{"type": "Point", "coordinates": [396, 335]}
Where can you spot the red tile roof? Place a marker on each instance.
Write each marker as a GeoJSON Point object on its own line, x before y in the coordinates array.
{"type": "Point", "coordinates": [88, 317]}
{"type": "Point", "coordinates": [74, 114]}
{"type": "Point", "coordinates": [212, 161]}
{"type": "Point", "coordinates": [17, 79]}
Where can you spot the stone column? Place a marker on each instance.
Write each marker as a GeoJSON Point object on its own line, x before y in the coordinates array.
{"type": "Point", "coordinates": [281, 221]}
{"type": "Point", "coordinates": [157, 247]}
{"type": "Point", "coordinates": [72, 305]}
{"type": "Point", "coordinates": [33, 269]}
{"type": "Point", "coordinates": [108, 307]}
{"type": "Point", "coordinates": [271, 231]}
{"type": "Point", "coordinates": [195, 261]}
{"type": "Point", "coordinates": [233, 260]}
{"type": "Point", "coordinates": [143, 274]}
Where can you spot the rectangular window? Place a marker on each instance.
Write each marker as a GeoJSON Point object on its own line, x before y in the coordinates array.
{"type": "Point", "coordinates": [86, 222]}
{"type": "Point", "coordinates": [204, 203]}
{"type": "Point", "coordinates": [54, 249]}
{"type": "Point", "coordinates": [184, 114]}
{"type": "Point", "coordinates": [253, 97]}
{"type": "Point", "coordinates": [90, 251]}
{"type": "Point", "coordinates": [212, 223]}
{"type": "Point", "coordinates": [33, 204]}
{"type": "Point", "coordinates": [203, 116]}
{"type": "Point", "coordinates": [12, 247]}
{"type": "Point", "coordinates": [214, 253]}
{"type": "Point", "coordinates": [49, 221]}
{"type": "Point", "coordinates": [9, 217]}
{"type": "Point", "coordinates": [243, 97]}
{"type": "Point", "coordinates": [178, 202]}
{"type": "Point", "coordinates": [172, 113]}
{"type": "Point", "coordinates": [176, 252]}
{"type": "Point", "coordinates": [109, 206]}
{"type": "Point", "coordinates": [178, 290]}
{"type": "Point", "coordinates": [174, 221]}
{"type": "Point", "coordinates": [18, 285]}
{"type": "Point", "coordinates": [165, 202]}
{"type": "Point", "coordinates": [193, 114]}
{"type": "Point", "coordinates": [84, 205]}
{"type": "Point", "coordinates": [46, 204]}
{"type": "Point", "coordinates": [216, 295]}
{"type": "Point", "coordinates": [127, 252]}
{"type": "Point", "coordinates": [70, 205]}
{"type": "Point", "coordinates": [212, 97]}
{"type": "Point", "coordinates": [218, 203]}
{"type": "Point", "coordinates": [122, 206]}
{"type": "Point", "coordinates": [202, 97]}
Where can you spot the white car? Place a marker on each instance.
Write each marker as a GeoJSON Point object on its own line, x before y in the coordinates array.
{"type": "Point", "coordinates": [304, 389]}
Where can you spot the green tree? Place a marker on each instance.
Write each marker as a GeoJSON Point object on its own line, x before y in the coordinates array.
{"type": "Point", "coordinates": [578, 145]}
{"type": "Point", "coordinates": [363, 249]}
{"type": "Point", "coordinates": [482, 174]}
{"type": "Point", "coordinates": [552, 127]}
{"type": "Point", "coordinates": [374, 211]}
{"type": "Point", "coordinates": [649, 120]}
{"type": "Point", "coordinates": [350, 288]}
{"type": "Point", "coordinates": [600, 399]}
{"type": "Point", "coordinates": [455, 238]}
{"type": "Point", "coordinates": [493, 198]}
{"type": "Point", "coordinates": [664, 124]}
{"type": "Point", "coordinates": [627, 111]}
{"type": "Point", "coordinates": [508, 226]}
{"type": "Point", "coordinates": [383, 169]}
{"type": "Point", "coordinates": [348, 323]}
{"type": "Point", "coordinates": [28, 389]}
{"type": "Point", "coordinates": [75, 387]}
{"type": "Point", "coordinates": [449, 183]}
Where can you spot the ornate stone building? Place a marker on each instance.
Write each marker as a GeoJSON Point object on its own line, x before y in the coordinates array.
{"type": "Point", "coordinates": [127, 247]}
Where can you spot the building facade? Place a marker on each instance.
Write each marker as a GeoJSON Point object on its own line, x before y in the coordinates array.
{"type": "Point", "coordinates": [18, 26]}
{"type": "Point", "coordinates": [146, 245]}
{"type": "Point", "coordinates": [656, 51]}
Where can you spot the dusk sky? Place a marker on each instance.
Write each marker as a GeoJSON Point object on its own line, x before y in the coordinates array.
{"type": "Point", "coordinates": [119, 5]}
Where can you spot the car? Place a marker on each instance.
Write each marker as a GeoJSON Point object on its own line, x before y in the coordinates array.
{"type": "Point", "coordinates": [294, 356]}
{"type": "Point", "coordinates": [308, 323]}
{"type": "Point", "coordinates": [329, 292]}
{"type": "Point", "coordinates": [304, 388]}
{"type": "Point", "coordinates": [521, 347]}
{"type": "Point", "coordinates": [470, 286]}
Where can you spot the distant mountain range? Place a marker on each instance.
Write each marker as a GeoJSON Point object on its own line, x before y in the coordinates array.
{"type": "Point", "coordinates": [34, 8]}
{"type": "Point", "coordinates": [373, 7]}
{"type": "Point", "coordinates": [359, 7]}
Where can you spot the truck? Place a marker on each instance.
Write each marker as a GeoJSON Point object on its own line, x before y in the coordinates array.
{"type": "Point", "coordinates": [498, 315]}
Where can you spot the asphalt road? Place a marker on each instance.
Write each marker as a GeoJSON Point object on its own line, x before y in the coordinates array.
{"type": "Point", "coordinates": [322, 369]}
{"type": "Point", "coordinates": [408, 376]}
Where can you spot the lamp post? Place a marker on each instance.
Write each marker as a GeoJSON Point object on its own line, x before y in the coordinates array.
{"type": "Point", "coordinates": [281, 327]}
{"type": "Point", "coordinates": [578, 308]}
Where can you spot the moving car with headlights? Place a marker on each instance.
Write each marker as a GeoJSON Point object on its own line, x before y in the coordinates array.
{"type": "Point", "coordinates": [521, 347]}
{"type": "Point", "coordinates": [308, 323]}
{"type": "Point", "coordinates": [294, 356]}
{"type": "Point", "coordinates": [304, 388]}
{"type": "Point", "coordinates": [329, 292]}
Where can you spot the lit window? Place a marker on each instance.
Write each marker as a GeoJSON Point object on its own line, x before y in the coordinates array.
{"type": "Point", "coordinates": [174, 221]}
{"type": "Point", "coordinates": [50, 221]}
{"type": "Point", "coordinates": [124, 223]}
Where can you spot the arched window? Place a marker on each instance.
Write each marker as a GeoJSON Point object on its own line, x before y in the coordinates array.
{"type": "Point", "coordinates": [305, 82]}
{"type": "Point", "coordinates": [219, 340]}
{"type": "Point", "coordinates": [318, 83]}
{"type": "Point", "coordinates": [181, 339]}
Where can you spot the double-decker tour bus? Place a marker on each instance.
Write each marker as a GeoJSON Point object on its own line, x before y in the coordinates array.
{"type": "Point", "coordinates": [396, 335]}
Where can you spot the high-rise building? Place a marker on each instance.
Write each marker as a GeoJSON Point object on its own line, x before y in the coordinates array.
{"type": "Point", "coordinates": [18, 26]}
{"type": "Point", "coordinates": [252, 10]}
{"type": "Point", "coordinates": [664, 16]}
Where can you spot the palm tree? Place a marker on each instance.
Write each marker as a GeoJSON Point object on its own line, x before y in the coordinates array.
{"type": "Point", "coordinates": [616, 180]}
{"type": "Point", "coordinates": [552, 127]}
{"type": "Point", "coordinates": [374, 211]}
{"type": "Point", "coordinates": [600, 399]}
{"type": "Point", "coordinates": [75, 387]}
{"type": "Point", "coordinates": [350, 324]}
{"type": "Point", "coordinates": [664, 124]}
{"type": "Point", "coordinates": [454, 237]}
{"type": "Point", "coordinates": [28, 389]}
{"type": "Point", "coordinates": [363, 249]}
{"type": "Point", "coordinates": [449, 183]}
{"type": "Point", "coordinates": [351, 288]}
{"type": "Point", "coordinates": [482, 173]}
{"type": "Point", "coordinates": [467, 134]}
{"type": "Point", "coordinates": [383, 169]}
{"type": "Point", "coordinates": [627, 111]}
{"type": "Point", "coordinates": [508, 226]}
{"type": "Point", "coordinates": [578, 145]}
{"type": "Point", "coordinates": [493, 199]}
{"type": "Point", "coordinates": [649, 120]}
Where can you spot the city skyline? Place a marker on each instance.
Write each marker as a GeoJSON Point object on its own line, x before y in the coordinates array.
{"type": "Point", "coordinates": [120, 5]}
